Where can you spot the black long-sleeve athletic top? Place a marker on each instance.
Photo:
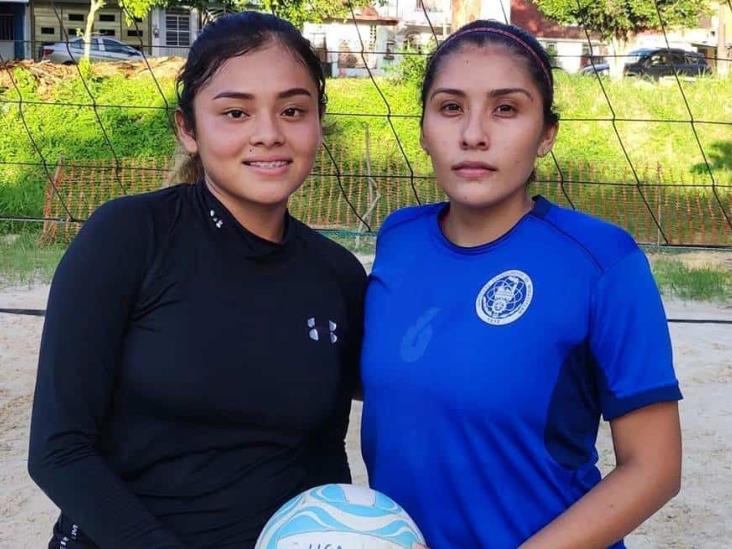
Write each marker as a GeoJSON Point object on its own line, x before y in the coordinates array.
{"type": "Point", "coordinates": [192, 376]}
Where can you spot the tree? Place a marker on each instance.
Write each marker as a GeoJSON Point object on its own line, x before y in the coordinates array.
{"type": "Point", "coordinates": [131, 8]}
{"type": "Point", "coordinates": [619, 20]}
{"type": "Point", "coordinates": [313, 11]}
{"type": "Point", "coordinates": [295, 11]}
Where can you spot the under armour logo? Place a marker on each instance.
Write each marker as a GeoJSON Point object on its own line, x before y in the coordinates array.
{"type": "Point", "coordinates": [215, 219]}
{"type": "Point", "coordinates": [314, 330]}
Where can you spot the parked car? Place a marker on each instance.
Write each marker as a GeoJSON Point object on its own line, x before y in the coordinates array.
{"type": "Point", "coordinates": [602, 69]}
{"type": "Point", "coordinates": [102, 49]}
{"type": "Point", "coordinates": [660, 62]}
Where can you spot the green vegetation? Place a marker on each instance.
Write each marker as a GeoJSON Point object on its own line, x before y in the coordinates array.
{"type": "Point", "coordinates": [23, 261]}
{"type": "Point", "coordinates": [132, 111]}
{"type": "Point", "coordinates": [704, 283]}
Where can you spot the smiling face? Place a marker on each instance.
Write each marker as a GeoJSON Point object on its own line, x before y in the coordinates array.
{"type": "Point", "coordinates": [257, 127]}
{"type": "Point", "coordinates": [484, 126]}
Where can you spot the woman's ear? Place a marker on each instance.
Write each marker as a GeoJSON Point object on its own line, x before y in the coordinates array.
{"type": "Point", "coordinates": [547, 141]}
{"type": "Point", "coordinates": [186, 135]}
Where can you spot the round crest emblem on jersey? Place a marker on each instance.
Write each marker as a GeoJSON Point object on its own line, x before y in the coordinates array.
{"type": "Point", "coordinates": [504, 298]}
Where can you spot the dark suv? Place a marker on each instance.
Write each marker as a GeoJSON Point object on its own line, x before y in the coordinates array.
{"type": "Point", "coordinates": [660, 62]}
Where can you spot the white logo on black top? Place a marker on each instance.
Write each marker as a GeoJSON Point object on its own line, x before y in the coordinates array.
{"type": "Point", "coordinates": [314, 330]}
{"type": "Point", "coordinates": [215, 219]}
{"type": "Point", "coordinates": [504, 298]}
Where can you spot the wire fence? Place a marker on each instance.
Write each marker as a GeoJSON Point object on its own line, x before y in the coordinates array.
{"type": "Point", "coordinates": [354, 190]}
{"type": "Point", "coordinates": [330, 200]}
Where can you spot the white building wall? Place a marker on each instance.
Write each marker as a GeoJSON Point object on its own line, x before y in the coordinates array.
{"type": "Point", "coordinates": [27, 50]}
{"type": "Point", "coordinates": [344, 47]}
{"type": "Point", "coordinates": [500, 10]}
{"type": "Point", "coordinates": [157, 21]}
{"type": "Point", "coordinates": [681, 39]}
{"type": "Point", "coordinates": [157, 37]}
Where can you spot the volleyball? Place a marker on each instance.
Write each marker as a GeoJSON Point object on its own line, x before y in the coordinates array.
{"type": "Point", "coordinates": [340, 516]}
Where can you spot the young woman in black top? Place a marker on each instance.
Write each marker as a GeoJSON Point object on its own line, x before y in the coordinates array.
{"type": "Point", "coordinates": [200, 347]}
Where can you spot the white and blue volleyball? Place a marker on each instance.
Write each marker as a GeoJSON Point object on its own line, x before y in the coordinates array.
{"type": "Point", "coordinates": [340, 516]}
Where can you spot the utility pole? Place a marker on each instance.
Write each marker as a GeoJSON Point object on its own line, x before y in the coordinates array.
{"type": "Point", "coordinates": [723, 20]}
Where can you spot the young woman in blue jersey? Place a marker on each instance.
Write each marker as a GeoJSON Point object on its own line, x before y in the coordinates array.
{"type": "Point", "coordinates": [500, 327]}
{"type": "Point", "coordinates": [201, 345]}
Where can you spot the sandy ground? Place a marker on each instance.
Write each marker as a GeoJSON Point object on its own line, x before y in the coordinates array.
{"type": "Point", "coordinates": [699, 517]}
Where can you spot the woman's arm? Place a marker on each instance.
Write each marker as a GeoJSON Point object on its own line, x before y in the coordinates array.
{"type": "Point", "coordinates": [647, 446]}
{"type": "Point", "coordinates": [92, 295]}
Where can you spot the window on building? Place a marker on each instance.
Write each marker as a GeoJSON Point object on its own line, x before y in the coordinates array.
{"type": "Point", "coordinates": [552, 52]}
{"type": "Point", "coordinates": [48, 30]}
{"type": "Point", "coordinates": [107, 32]}
{"type": "Point", "coordinates": [76, 17]}
{"type": "Point", "coordinates": [390, 46]}
{"type": "Point", "coordinates": [177, 28]}
{"type": "Point", "coordinates": [6, 27]}
{"type": "Point", "coordinates": [372, 37]}
{"type": "Point", "coordinates": [413, 42]}
{"type": "Point", "coordinates": [133, 33]}
{"type": "Point", "coordinates": [588, 58]}
{"type": "Point", "coordinates": [107, 17]}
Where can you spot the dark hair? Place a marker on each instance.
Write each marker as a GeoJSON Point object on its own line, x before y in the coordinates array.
{"type": "Point", "coordinates": [516, 40]}
{"type": "Point", "coordinates": [230, 36]}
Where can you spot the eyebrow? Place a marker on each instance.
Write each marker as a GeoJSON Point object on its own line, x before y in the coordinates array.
{"type": "Point", "coordinates": [292, 92]}
{"type": "Point", "coordinates": [493, 93]}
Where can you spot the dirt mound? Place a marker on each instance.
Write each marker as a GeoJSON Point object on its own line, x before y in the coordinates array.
{"type": "Point", "coordinates": [47, 74]}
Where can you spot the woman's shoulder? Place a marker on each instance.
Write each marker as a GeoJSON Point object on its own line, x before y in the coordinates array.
{"type": "Point", "coordinates": [133, 208]}
{"type": "Point", "coordinates": [409, 216]}
{"type": "Point", "coordinates": [135, 223]}
{"type": "Point", "coordinates": [605, 243]}
{"type": "Point", "coordinates": [338, 257]}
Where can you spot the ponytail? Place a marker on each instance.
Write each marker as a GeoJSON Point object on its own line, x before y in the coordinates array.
{"type": "Point", "coordinates": [185, 168]}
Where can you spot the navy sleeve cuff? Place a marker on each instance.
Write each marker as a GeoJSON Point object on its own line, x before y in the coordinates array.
{"type": "Point", "coordinates": [615, 408]}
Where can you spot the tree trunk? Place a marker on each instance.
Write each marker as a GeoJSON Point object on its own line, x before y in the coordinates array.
{"type": "Point", "coordinates": [464, 12]}
{"type": "Point", "coordinates": [96, 5]}
{"type": "Point", "coordinates": [618, 48]}
{"type": "Point", "coordinates": [725, 14]}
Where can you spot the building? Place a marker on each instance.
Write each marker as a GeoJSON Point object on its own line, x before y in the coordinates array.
{"type": "Point", "coordinates": [349, 48]}
{"type": "Point", "coordinates": [566, 44]}
{"type": "Point", "coordinates": [173, 30]}
{"type": "Point", "coordinates": [162, 32]}
{"type": "Point", "coordinates": [56, 21]}
{"type": "Point", "coordinates": [14, 30]}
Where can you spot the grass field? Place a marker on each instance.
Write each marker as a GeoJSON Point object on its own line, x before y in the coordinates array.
{"type": "Point", "coordinates": [700, 276]}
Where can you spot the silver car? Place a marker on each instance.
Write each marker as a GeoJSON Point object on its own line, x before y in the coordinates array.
{"type": "Point", "coordinates": [102, 49]}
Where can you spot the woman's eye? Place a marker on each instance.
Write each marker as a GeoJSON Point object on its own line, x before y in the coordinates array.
{"type": "Point", "coordinates": [450, 107]}
{"type": "Point", "coordinates": [506, 109]}
{"type": "Point", "coordinates": [293, 112]}
{"type": "Point", "coordinates": [235, 114]}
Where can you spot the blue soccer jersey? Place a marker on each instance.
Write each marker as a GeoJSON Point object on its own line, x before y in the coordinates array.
{"type": "Point", "coordinates": [486, 369]}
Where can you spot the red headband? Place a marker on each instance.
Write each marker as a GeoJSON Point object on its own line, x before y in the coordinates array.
{"type": "Point", "coordinates": [507, 34]}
